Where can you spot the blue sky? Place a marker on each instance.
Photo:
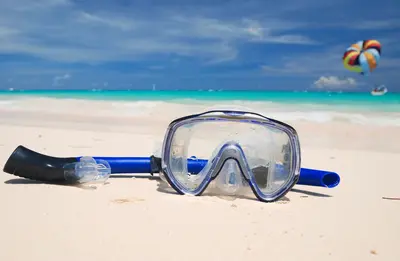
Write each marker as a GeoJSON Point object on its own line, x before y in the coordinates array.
{"type": "Point", "coordinates": [187, 44]}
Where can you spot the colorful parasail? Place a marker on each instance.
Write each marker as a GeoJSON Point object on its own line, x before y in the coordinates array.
{"type": "Point", "coordinates": [362, 57]}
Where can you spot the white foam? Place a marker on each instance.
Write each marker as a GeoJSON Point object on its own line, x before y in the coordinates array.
{"type": "Point", "coordinates": [6, 103]}
{"type": "Point", "coordinates": [321, 114]}
{"type": "Point", "coordinates": [137, 104]}
{"type": "Point", "coordinates": [328, 116]}
{"type": "Point", "coordinates": [171, 109]}
{"type": "Point", "coordinates": [137, 108]}
{"type": "Point", "coordinates": [301, 116]}
{"type": "Point", "coordinates": [311, 112]}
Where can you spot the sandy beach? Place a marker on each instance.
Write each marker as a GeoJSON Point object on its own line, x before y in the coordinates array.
{"type": "Point", "coordinates": [133, 218]}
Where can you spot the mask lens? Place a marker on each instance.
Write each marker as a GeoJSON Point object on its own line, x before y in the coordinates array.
{"type": "Point", "coordinates": [276, 170]}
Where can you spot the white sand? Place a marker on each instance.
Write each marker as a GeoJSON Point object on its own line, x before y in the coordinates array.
{"type": "Point", "coordinates": [132, 219]}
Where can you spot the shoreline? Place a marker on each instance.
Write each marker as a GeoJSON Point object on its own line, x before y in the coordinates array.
{"type": "Point", "coordinates": [281, 111]}
{"type": "Point", "coordinates": [351, 99]}
{"type": "Point", "coordinates": [344, 107]}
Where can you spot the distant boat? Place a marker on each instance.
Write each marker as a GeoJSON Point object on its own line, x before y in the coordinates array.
{"type": "Point", "coordinates": [380, 90]}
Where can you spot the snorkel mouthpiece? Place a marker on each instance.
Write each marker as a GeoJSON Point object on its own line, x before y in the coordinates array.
{"type": "Point", "coordinates": [30, 164]}
{"type": "Point", "coordinates": [87, 170]}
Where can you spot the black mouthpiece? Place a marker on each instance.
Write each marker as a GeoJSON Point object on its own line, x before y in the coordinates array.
{"type": "Point", "coordinates": [29, 164]}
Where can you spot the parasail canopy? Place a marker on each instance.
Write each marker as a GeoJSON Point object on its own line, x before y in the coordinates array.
{"type": "Point", "coordinates": [362, 57]}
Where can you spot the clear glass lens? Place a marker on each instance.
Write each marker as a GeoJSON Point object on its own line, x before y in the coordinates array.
{"type": "Point", "coordinates": [266, 148]}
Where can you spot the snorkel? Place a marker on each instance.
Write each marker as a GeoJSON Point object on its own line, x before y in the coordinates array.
{"type": "Point", "coordinates": [29, 164]}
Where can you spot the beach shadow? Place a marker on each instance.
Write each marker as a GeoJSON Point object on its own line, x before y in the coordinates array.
{"type": "Point", "coordinates": [310, 193]}
{"type": "Point", "coordinates": [22, 181]}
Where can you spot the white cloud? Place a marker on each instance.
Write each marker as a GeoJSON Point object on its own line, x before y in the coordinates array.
{"type": "Point", "coordinates": [62, 30]}
{"type": "Point", "coordinates": [57, 80]}
{"type": "Point", "coordinates": [112, 22]}
{"type": "Point", "coordinates": [334, 82]}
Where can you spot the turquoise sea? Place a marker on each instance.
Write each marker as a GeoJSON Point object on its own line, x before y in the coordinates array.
{"type": "Point", "coordinates": [357, 101]}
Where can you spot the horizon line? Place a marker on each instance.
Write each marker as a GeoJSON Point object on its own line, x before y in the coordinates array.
{"type": "Point", "coordinates": [189, 90]}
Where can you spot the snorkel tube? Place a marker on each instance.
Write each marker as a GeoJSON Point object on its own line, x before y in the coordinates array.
{"type": "Point", "coordinates": [29, 164]}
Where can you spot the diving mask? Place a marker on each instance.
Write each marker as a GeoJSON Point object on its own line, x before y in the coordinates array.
{"type": "Point", "coordinates": [246, 152]}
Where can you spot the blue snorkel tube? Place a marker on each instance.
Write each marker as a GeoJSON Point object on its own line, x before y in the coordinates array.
{"type": "Point", "coordinates": [29, 164]}
{"type": "Point", "coordinates": [121, 165]}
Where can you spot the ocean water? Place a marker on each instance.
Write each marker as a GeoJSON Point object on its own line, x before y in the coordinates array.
{"type": "Point", "coordinates": [327, 100]}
